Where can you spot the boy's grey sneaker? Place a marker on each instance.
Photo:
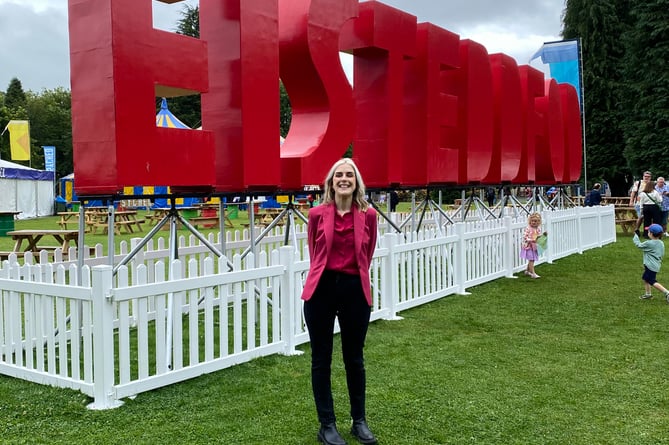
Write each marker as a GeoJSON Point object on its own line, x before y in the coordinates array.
{"type": "Point", "coordinates": [667, 296]}
{"type": "Point", "coordinates": [649, 296]}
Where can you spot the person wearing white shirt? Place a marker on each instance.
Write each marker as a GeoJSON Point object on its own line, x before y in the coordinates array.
{"type": "Point", "coordinates": [651, 202]}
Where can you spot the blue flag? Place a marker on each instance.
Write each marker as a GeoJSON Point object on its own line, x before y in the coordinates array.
{"type": "Point", "coordinates": [49, 158]}
{"type": "Point", "coordinates": [562, 58]}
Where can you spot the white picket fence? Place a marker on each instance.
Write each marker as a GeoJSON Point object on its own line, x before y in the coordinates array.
{"type": "Point", "coordinates": [156, 322]}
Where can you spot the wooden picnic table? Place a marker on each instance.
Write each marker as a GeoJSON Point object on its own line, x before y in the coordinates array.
{"type": "Point", "coordinates": [73, 218]}
{"type": "Point", "coordinates": [207, 216]}
{"type": "Point", "coordinates": [618, 201]}
{"type": "Point", "coordinates": [626, 218]}
{"type": "Point", "coordinates": [126, 219]}
{"type": "Point", "coordinates": [32, 237]}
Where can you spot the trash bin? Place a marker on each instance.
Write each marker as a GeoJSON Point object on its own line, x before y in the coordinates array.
{"type": "Point", "coordinates": [61, 204]}
{"type": "Point", "coordinates": [6, 222]}
{"type": "Point", "coordinates": [233, 212]}
{"type": "Point", "coordinates": [189, 213]}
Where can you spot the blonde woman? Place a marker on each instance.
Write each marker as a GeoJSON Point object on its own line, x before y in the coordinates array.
{"type": "Point", "coordinates": [342, 238]}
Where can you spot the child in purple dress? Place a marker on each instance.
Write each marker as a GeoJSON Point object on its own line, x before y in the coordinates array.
{"type": "Point", "coordinates": [528, 249]}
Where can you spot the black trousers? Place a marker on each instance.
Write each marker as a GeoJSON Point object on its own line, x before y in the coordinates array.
{"type": "Point", "coordinates": [337, 295]}
{"type": "Point", "coordinates": [651, 214]}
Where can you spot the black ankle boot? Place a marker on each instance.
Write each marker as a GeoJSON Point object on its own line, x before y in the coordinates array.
{"type": "Point", "coordinates": [361, 431]}
{"type": "Point", "coordinates": [328, 435]}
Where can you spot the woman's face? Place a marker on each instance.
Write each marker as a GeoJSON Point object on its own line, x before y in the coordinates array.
{"type": "Point", "coordinates": [343, 181]}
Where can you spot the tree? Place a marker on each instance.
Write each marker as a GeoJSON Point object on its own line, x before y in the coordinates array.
{"type": "Point", "coordinates": [646, 98]}
{"type": "Point", "coordinates": [12, 107]}
{"type": "Point", "coordinates": [286, 114]}
{"type": "Point", "coordinates": [189, 23]}
{"type": "Point", "coordinates": [50, 115]}
{"type": "Point", "coordinates": [598, 24]}
{"type": "Point", "coordinates": [15, 97]}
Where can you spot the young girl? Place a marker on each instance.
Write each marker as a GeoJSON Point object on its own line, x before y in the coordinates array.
{"type": "Point", "coordinates": [528, 249]}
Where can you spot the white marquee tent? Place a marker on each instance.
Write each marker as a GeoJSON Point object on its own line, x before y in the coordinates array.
{"type": "Point", "coordinates": [26, 190]}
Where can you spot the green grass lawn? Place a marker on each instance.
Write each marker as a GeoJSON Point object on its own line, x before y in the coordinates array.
{"type": "Point", "coordinates": [572, 358]}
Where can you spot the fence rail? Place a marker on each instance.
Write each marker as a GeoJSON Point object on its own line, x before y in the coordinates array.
{"type": "Point", "coordinates": [157, 322]}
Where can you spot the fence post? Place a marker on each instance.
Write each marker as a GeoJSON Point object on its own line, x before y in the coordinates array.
{"type": "Point", "coordinates": [390, 278]}
{"type": "Point", "coordinates": [547, 218]}
{"type": "Point", "coordinates": [460, 259]}
{"type": "Point", "coordinates": [288, 300]}
{"type": "Point", "coordinates": [508, 247]}
{"type": "Point", "coordinates": [103, 340]}
{"type": "Point", "coordinates": [579, 225]}
{"type": "Point", "coordinates": [601, 211]}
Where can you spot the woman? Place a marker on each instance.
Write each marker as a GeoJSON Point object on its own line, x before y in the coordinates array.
{"type": "Point", "coordinates": [651, 205]}
{"type": "Point", "coordinates": [342, 239]}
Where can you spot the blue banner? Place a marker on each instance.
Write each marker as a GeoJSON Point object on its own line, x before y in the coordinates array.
{"type": "Point", "coordinates": [49, 158]}
{"type": "Point", "coordinates": [563, 61]}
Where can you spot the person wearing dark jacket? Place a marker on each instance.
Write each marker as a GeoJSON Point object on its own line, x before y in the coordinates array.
{"type": "Point", "coordinates": [595, 196]}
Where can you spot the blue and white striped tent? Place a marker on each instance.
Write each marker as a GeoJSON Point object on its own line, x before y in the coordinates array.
{"type": "Point", "coordinates": [165, 118]}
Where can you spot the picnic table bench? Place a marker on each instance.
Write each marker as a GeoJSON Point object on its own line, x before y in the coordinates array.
{"type": "Point", "coordinates": [126, 219]}
{"type": "Point", "coordinates": [32, 237]}
{"type": "Point", "coordinates": [626, 218]}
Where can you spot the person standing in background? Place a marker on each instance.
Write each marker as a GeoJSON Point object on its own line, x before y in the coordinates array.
{"type": "Point", "coordinates": [634, 197]}
{"type": "Point", "coordinates": [651, 202]}
{"type": "Point", "coordinates": [490, 196]}
{"type": "Point", "coordinates": [341, 235]}
{"type": "Point", "coordinates": [595, 196]}
{"type": "Point", "coordinates": [663, 189]}
{"type": "Point", "coordinates": [394, 200]}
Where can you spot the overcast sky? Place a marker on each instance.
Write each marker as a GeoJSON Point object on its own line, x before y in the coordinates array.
{"type": "Point", "coordinates": [34, 34]}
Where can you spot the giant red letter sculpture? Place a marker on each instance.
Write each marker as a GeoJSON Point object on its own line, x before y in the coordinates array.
{"type": "Point", "coordinates": [320, 95]}
{"type": "Point", "coordinates": [114, 86]}
{"type": "Point", "coordinates": [381, 38]}
{"type": "Point", "coordinates": [242, 105]}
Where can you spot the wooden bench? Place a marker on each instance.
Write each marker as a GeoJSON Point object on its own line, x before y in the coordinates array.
{"type": "Point", "coordinates": [205, 221]}
{"type": "Point", "coordinates": [117, 226]}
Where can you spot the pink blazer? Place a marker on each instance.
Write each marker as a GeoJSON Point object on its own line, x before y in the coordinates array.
{"type": "Point", "coordinates": [320, 233]}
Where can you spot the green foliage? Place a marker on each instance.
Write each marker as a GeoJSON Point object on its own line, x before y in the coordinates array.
{"type": "Point", "coordinates": [646, 125]}
{"type": "Point", "coordinates": [50, 114]}
{"type": "Point", "coordinates": [285, 111]}
{"type": "Point", "coordinates": [15, 97]}
{"type": "Point", "coordinates": [599, 24]}
{"type": "Point", "coordinates": [50, 117]}
{"type": "Point", "coordinates": [189, 23]}
{"type": "Point", "coordinates": [626, 86]}
{"type": "Point", "coordinates": [559, 360]}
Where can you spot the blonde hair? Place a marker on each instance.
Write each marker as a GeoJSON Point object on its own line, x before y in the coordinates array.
{"type": "Point", "coordinates": [535, 215]}
{"type": "Point", "coordinates": [358, 193]}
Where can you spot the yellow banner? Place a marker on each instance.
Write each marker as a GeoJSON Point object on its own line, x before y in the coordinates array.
{"type": "Point", "coordinates": [19, 140]}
